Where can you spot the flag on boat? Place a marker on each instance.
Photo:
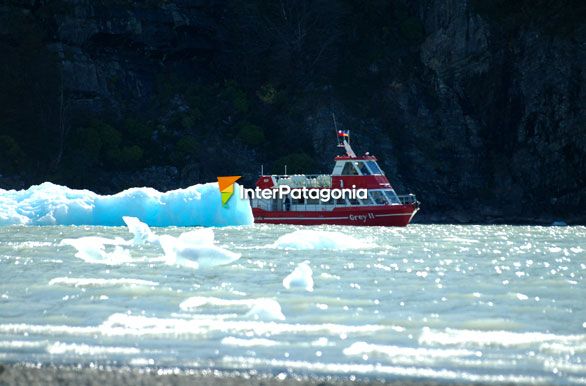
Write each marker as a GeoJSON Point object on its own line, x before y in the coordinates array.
{"type": "Point", "coordinates": [343, 133]}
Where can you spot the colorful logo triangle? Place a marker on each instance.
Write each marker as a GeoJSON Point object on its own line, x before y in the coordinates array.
{"type": "Point", "coordinates": [226, 185]}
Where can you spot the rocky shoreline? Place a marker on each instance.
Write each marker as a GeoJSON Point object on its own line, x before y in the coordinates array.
{"type": "Point", "coordinates": [18, 374]}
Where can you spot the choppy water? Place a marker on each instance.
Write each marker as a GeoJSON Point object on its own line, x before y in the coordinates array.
{"type": "Point", "coordinates": [479, 303]}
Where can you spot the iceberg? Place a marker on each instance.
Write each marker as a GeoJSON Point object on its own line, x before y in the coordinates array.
{"type": "Point", "coordinates": [50, 204]}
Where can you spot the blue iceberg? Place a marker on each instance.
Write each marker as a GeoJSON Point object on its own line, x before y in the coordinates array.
{"type": "Point", "coordinates": [50, 204]}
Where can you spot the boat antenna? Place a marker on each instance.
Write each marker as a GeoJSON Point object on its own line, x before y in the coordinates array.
{"type": "Point", "coordinates": [262, 173]}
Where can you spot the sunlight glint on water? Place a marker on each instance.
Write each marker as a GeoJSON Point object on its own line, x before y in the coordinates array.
{"type": "Point", "coordinates": [476, 303]}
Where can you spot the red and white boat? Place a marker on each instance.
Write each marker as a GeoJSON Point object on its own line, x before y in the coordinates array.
{"type": "Point", "coordinates": [381, 207]}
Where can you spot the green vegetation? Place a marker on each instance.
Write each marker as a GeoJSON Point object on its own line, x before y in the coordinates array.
{"type": "Point", "coordinates": [251, 134]}
{"type": "Point", "coordinates": [186, 149]}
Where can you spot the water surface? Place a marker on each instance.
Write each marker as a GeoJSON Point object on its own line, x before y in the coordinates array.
{"type": "Point", "coordinates": [476, 303]}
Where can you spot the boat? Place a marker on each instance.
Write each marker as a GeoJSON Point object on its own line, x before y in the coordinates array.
{"type": "Point", "coordinates": [377, 205]}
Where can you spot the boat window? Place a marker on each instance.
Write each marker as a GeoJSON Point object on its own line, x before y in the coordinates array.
{"type": "Point", "coordinates": [349, 170]}
{"type": "Point", "coordinates": [363, 169]}
{"type": "Point", "coordinates": [392, 196]}
{"type": "Point", "coordinates": [378, 197]}
{"type": "Point", "coordinates": [331, 201]}
{"type": "Point", "coordinates": [354, 201]}
{"type": "Point", "coordinates": [341, 202]}
{"type": "Point", "coordinates": [368, 200]}
{"type": "Point", "coordinates": [373, 166]}
{"type": "Point", "coordinates": [312, 201]}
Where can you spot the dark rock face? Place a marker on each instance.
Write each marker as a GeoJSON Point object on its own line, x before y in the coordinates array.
{"type": "Point", "coordinates": [511, 109]}
{"type": "Point", "coordinates": [477, 107]}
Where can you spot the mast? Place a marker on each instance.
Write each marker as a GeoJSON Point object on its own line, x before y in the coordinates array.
{"type": "Point", "coordinates": [345, 138]}
{"type": "Point", "coordinates": [349, 150]}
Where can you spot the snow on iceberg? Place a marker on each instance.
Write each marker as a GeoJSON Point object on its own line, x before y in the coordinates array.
{"type": "Point", "coordinates": [312, 239]}
{"type": "Point", "coordinates": [50, 204]}
{"type": "Point", "coordinates": [301, 278]}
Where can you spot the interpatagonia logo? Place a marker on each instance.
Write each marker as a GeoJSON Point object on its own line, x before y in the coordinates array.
{"type": "Point", "coordinates": [226, 185]}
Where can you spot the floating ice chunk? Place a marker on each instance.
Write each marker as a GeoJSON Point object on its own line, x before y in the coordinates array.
{"type": "Point", "coordinates": [50, 204]}
{"type": "Point", "coordinates": [521, 296]}
{"type": "Point", "coordinates": [312, 239]}
{"type": "Point", "coordinates": [266, 309]}
{"type": "Point", "coordinates": [192, 249]}
{"type": "Point", "coordinates": [203, 236]}
{"type": "Point", "coordinates": [195, 302]}
{"type": "Point", "coordinates": [260, 308]}
{"type": "Point", "coordinates": [301, 278]}
{"type": "Point", "coordinates": [93, 250]}
{"type": "Point", "coordinates": [559, 223]}
{"type": "Point", "coordinates": [192, 255]}
{"type": "Point", "coordinates": [141, 231]}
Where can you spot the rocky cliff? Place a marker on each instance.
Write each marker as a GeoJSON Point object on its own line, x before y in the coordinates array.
{"type": "Point", "coordinates": [475, 106]}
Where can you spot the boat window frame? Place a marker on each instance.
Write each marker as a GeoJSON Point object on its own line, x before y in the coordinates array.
{"type": "Point", "coordinates": [392, 197]}
{"type": "Point", "coordinates": [351, 163]}
{"type": "Point", "coordinates": [371, 193]}
{"type": "Point", "coordinates": [368, 201]}
{"type": "Point", "coordinates": [374, 173]}
{"type": "Point", "coordinates": [363, 168]}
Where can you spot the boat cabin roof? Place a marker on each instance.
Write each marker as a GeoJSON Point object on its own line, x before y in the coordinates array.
{"type": "Point", "coordinates": [357, 158]}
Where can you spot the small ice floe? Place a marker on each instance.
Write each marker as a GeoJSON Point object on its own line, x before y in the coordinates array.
{"type": "Point", "coordinates": [266, 310]}
{"type": "Point", "coordinates": [521, 296]}
{"type": "Point", "coordinates": [187, 253]}
{"type": "Point", "coordinates": [93, 250]}
{"type": "Point", "coordinates": [312, 239]}
{"type": "Point", "coordinates": [193, 249]}
{"type": "Point", "coordinates": [258, 309]}
{"type": "Point", "coordinates": [559, 223]}
{"type": "Point", "coordinates": [300, 278]}
{"type": "Point", "coordinates": [141, 231]}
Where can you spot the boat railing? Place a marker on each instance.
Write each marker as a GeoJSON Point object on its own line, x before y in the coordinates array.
{"type": "Point", "coordinates": [304, 180]}
{"type": "Point", "coordinates": [408, 199]}
{"type": "Point", "coordinates": [279, 176]}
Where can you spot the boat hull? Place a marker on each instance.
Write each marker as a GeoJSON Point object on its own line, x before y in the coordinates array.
{"type": "Point", "coordinates": [388, 215]}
